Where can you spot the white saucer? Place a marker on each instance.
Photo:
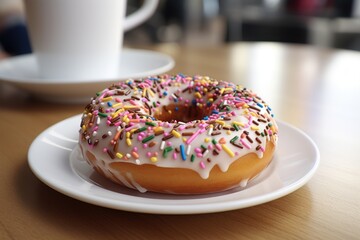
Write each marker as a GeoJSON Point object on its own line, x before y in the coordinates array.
{"type": "Point", "coordinates": [22, 72]}
{"type": "Point", "coordinates": [295, 162]}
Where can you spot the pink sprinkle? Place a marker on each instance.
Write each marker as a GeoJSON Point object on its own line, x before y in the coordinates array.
{"type": "Point", "coordinates": [133, 102]}
{"type": "Point", "coordinates": [105, 150]}
{"type": "Point", "coordinates": [139, 138]}
{"type": "Point", "coordinates": [193, 136]}
{"type": "Point", "coordinates": [169, 143]}
{"type": "Point", "coordinates": [174, 155]}
{"type": "Point", "coordinates": [117, 100]}
{"type": "Point", "coordinates": [262, 149]}
{"type": "Point", "coordinates": [244, 143]}
{"type": "Point", "coordinates": [197, 150]}
{"type": "Point", "coordinates": [210, 147]}
{"type": "Point", "coordinates": [202, 165]}
{"type": "Point", "coordinates": [148, 154]}
{"type": "Point", "coordinates": [144, 145]}
{"type": "Point", "coordinates": [218, 147]}
{"type": "Point", "coordinates": [135, 149]}
{"type": "Point", "coordinates": [199, 155]}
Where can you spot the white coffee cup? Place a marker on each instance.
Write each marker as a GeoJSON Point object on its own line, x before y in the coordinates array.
{"type": "Point", "coordinates": [80, 39]}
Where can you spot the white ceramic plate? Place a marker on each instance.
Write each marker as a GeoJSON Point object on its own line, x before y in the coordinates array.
{"type": "Point", "coordinates": [55, 160]}
{"type": "Point", "coordinates": [21, 71]}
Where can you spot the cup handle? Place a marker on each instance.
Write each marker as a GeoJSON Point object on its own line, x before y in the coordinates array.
{"type": "Point", "coordinates": [138, 17]}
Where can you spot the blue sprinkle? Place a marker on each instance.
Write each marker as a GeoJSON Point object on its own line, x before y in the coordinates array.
{"type": "Point", "coordinates": [165, 93]}
{"type": "Point", "coordinates": [176, 108]}
{"type": "Point", "coordinates": [182, 151]}
{"type": "Point", "coordinates": [260, 105]}
{"type": "Point", "coordinates": [215, 112]}
{"type": "Point", "coordinates": [193, 101]}
{"type": "Point", "coordinates": [206, 118]}
{"type": "Point", "coordinates": [175, 100]}
{"type": "Point", "coordinates": [109, 104]}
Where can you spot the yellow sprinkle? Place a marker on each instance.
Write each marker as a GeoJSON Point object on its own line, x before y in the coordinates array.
{"type": "Point", "coordinates": [245, 106]}
{"type": "Point", "coordinates": [106, 99]}
{"type": "Point", "coordinates": [207, 140]}
{"type": "Point", "coordinates": [151, 92]}
{"type": "Point", "coordinates": [228, 132]}
{"type": "Point", "coordinates": [127, 134]}
{"type": "Point", "coordinates": [117, 105]}
{"type": "Point", "coordinates": [157, 129]}
{"type": "Point", "coordinates": [144, 92]}
{"type": "Point", "coordinates": [220, 122]}
{"type": "Point", "coordinates": [154, 159]}
{"type": "Point", "coordinates": [227, 150]}
{"type": "Point", "coordinates": [128, 142]}
{"type": "Point", "coordinates": [211, 100]}
{"type": "Point", "coordinates": [184, 139]}
{"type": "Point", "coordinates": [130, 106]}
{"type": "Point", "coordinates": [197, 95]}
{"type": "Point", "coordinates": [126, 119]}
{"type": "Point", "coordinates": [176, 134]}
{"type": "Point", "coordinates": [239, 123]}
{"type": "Point", "coordinates": [83, 127]}
{"type": "Point", "coordinates": [119, 155]}
{"type": "Point", "coordinates": [253, 127]}
{"type": "Point", "coordinates": [133, 130]}
{"type": "Point", "coordinates": [253, 114]}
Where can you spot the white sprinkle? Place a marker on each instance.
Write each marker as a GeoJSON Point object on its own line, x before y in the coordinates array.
{"type": "Point", "coordinates": [210, 131]}
{"type": "Point", "coordinates": [137, 161]}
{"type": "Point", "coordinates": [109, 133]}
{"type": "Point", "coordinates": [128, 155]}
{"type": "Point", "coordinates": [97, 120]}
{"type": "Point", "coordinates": [94, 133]}
{"type": "Point", "coordinates": [206, 152]}
{"type": "Point", "coordinates": [162, 146]}
{"type": "Point", "coordinates": [188, 150]}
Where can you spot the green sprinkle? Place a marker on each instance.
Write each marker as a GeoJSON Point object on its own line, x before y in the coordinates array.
{"type": "Point", "coordinates": [214, 141]}
{"type": "Point", "coordinates": [141, 129]}
{"type": "Point", "coordinates": [102, 114]}
{"type": "Point", "coordinates": [150, 124]}
{"type": "Point", "coordinates": [203, 147]}
{"type": "Point", "coordinates": [166, 151]}
{"type": "Point", "coordinates": [234, 139]}
{"type": "Point", "coordinates": [154, 104]}
{"type": "Point", "coordinates": [192, 157]}
{"type": "Point", "coordinates": [262, 134]}
{"type": "Point", "coordinates": [148, 138]}
{"type": "Point", "coordinates": [236, 127]}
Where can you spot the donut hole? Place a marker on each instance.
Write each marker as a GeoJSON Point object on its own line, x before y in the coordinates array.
{"type": "Point", "coordinates": [181, 113]}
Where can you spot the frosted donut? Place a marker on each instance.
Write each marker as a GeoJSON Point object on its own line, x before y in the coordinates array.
{"type": "Point", "coordinates": [178, 134]}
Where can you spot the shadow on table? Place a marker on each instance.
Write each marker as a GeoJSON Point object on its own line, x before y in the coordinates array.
{"type": "Point", "coordinates": [77, 218]}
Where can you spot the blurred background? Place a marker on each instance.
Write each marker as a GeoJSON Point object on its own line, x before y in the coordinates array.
{"type": "Point", "coordinates": [327, 23]}
{"type": "Point", "coordinates": [324, 23]}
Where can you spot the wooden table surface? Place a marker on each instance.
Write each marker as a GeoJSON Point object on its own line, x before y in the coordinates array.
{"type": "Point", "coordinates": [316, 90]}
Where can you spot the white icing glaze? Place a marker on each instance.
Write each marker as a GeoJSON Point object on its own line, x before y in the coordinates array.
{"type": "Point", "coordinates": [111, 113]}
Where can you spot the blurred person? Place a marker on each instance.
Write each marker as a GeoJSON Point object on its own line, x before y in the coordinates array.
{"type": "Point", "coordinates": [14, 39]}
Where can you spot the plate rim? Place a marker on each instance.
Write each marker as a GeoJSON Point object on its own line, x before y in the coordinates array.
{"type": "Point", "coordinates": [169, 209]}
{"type": "Point", "coordinates": [21, 80]}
